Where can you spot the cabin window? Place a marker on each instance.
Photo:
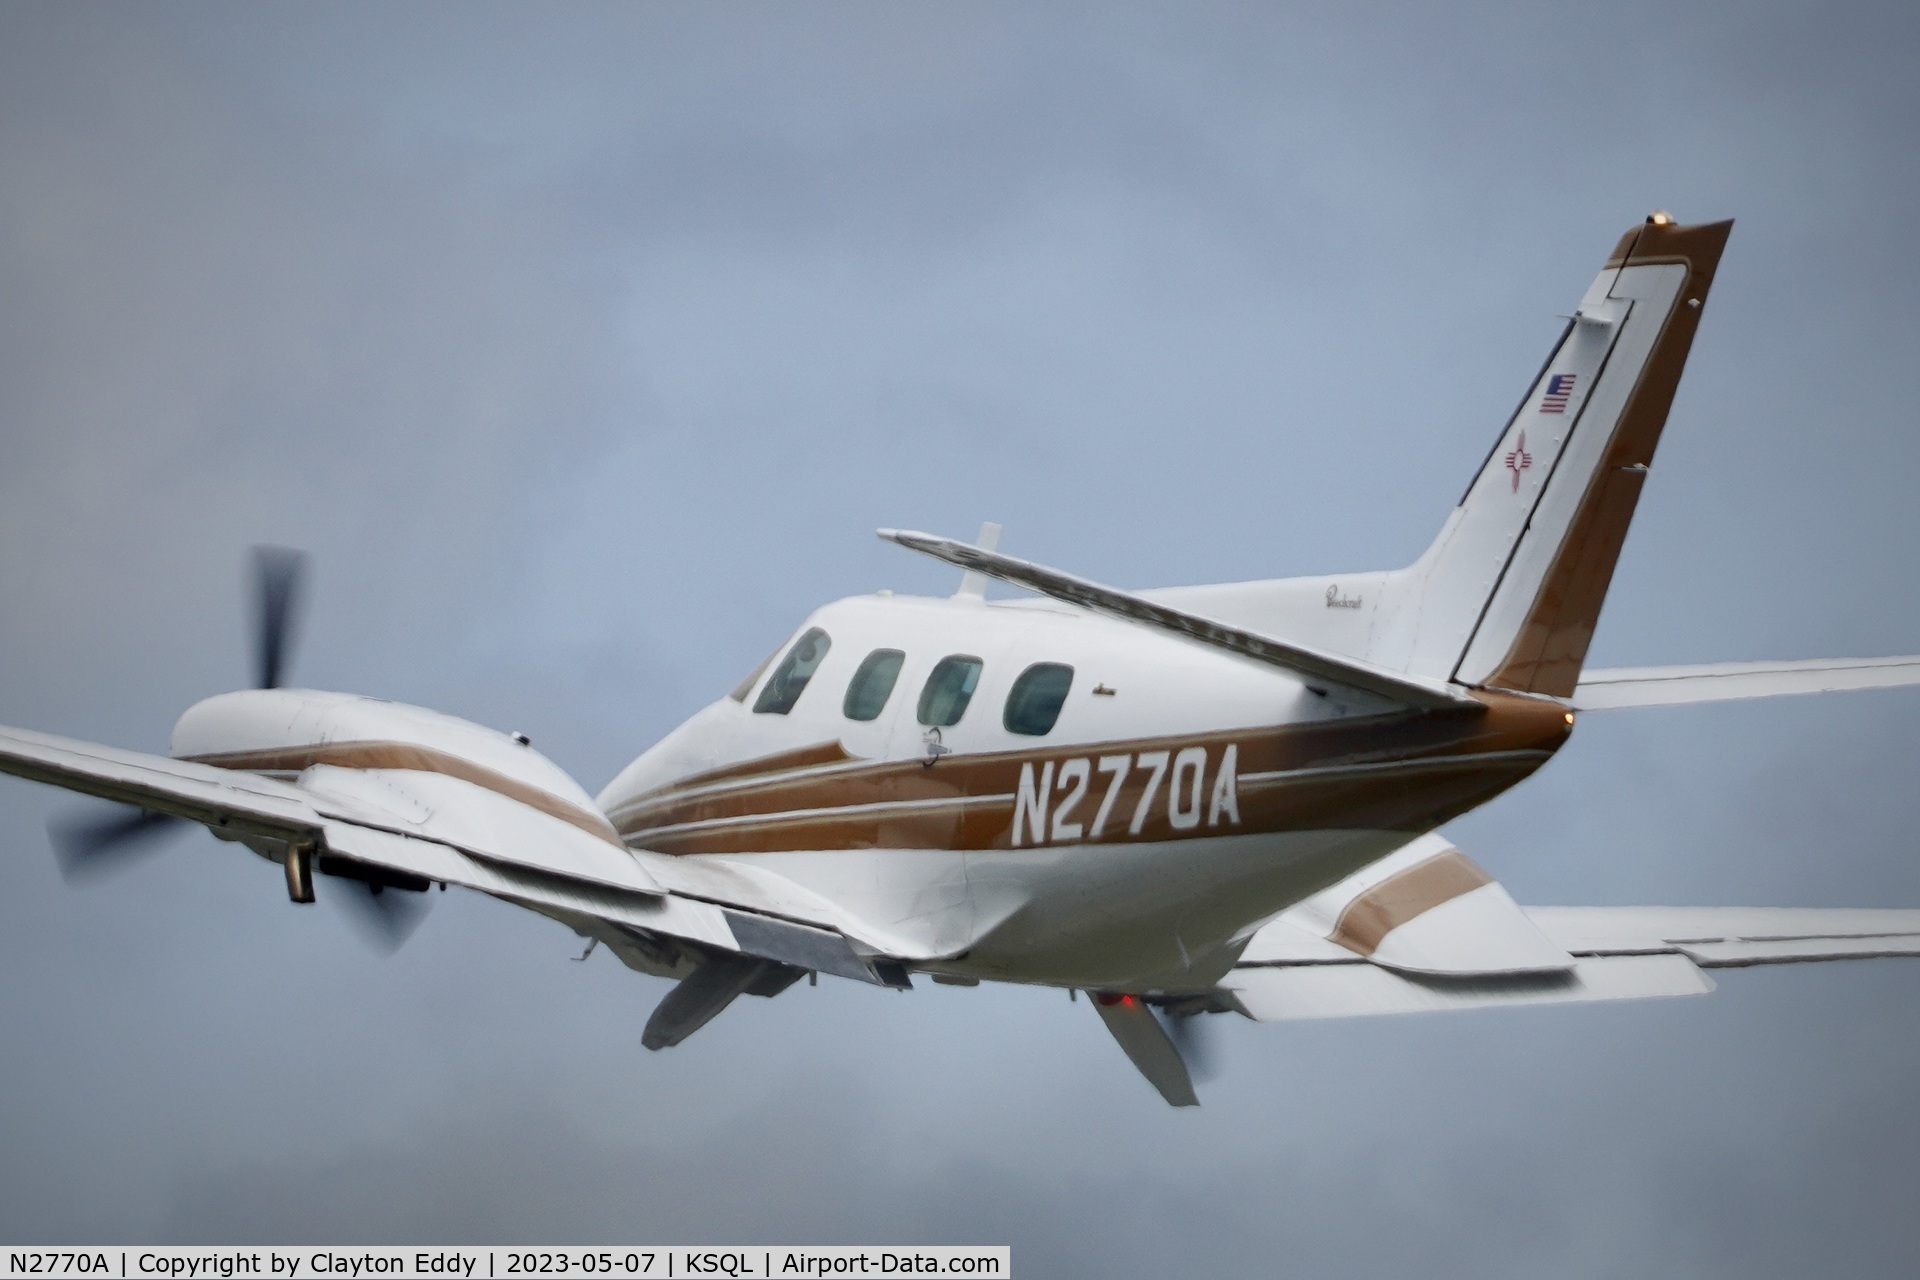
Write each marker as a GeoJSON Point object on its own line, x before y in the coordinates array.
{"type": "Point", "coordinates": [949, 690]}
{"type": "Point", "coordinates": [790, 677]}
{"type": "Point", "coordinates": [873, 684]}
{"type": "Point", "coordinates": [1036, 699]}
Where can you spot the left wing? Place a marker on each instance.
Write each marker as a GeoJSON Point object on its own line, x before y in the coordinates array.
{"type": "Point", "coordinates": [1728, 681]}
{"type": "Point", "coordinates": [432, 827]}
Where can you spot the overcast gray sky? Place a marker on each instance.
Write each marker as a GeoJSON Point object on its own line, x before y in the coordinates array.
{"type": "Point", "coordinates": [584, 346]}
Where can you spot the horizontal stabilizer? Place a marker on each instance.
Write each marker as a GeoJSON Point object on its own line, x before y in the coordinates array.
{"type": "Point", "coordinates": [1413, 691]}
{"type": "Point", "coordinates": [1731, 937]}
{"type": "Point", "coordinates": [1286, 994]}
{"type": "Point", "coordinates": [1729, 681]}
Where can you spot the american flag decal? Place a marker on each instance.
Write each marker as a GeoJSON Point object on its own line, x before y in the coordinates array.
{"type": "Point", "coordinates": [1559, 387]}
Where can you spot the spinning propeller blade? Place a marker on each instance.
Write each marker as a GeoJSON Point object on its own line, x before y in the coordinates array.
{"type": "Point", "coordinates": [91, 845]}
{"type": "Point", "coordinates": [108, 840]}
{"type": "Point", "coordinates": [276, 574]}
{"type": "Point", "coordinates": [385, 917]}
{"type": "Point", "coordinates": [1195, 1041]}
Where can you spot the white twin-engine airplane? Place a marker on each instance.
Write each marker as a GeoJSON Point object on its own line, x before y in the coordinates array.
{"type": "Point", "coordinates": [1182, 801]}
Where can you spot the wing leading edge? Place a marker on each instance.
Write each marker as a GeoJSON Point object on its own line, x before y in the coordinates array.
{"type": "Point", "coordinates": [486, 842]}
{"type": "Point", "coordinates": [1397, 686]}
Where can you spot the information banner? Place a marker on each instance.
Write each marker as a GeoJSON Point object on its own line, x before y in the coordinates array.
{"type": "Point", "coordinates": [426, 1262]}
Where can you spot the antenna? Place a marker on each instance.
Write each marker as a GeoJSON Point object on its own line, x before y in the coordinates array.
{"type": "Point", "coordinates": [973, 585]}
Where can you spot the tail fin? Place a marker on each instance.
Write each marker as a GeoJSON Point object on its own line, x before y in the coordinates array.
{"type": "Point", "coordinates": [1509, 593]}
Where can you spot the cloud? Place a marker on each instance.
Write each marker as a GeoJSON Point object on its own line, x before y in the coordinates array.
{"type": "Point", "coordinates": [586, 348]}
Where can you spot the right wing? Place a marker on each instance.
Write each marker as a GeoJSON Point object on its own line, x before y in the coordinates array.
{"type": "Point", "coordinates": [1727, 681]}
{"type": "Point", "coordinates": [1397, 686]}
{"type": "Point", "coordinates": [1426, 930]}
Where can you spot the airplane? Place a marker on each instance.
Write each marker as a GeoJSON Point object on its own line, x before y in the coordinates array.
{"type": "Point", "coordinates": [1179, 802]}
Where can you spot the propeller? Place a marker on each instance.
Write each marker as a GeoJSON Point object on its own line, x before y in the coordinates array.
{"type": "Point", "coordinates": [110, 839]}
{"type": "Point", "coordinates": [277, 572]}
{"type": "Point", "coordinates": [1194, 1039]}
{"type": "Point", "coordinates": [385, 917]}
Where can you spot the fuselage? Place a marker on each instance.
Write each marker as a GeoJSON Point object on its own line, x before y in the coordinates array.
{"type": "Point", "coordinates": [1024, 791]}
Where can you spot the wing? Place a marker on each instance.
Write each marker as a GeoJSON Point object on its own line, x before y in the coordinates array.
{"type": "Point", "coordinates": [1426, 931]}
{"type": "Point", "coordinates": [1397, 686]}
{"type": "Point", "coordinates": [444, 829]}
{"type": "Point", "coordinates": [1727, 681]}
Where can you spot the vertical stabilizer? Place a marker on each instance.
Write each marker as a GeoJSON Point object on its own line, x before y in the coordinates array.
{"type": "Point", "coordinates": [1509, 593]}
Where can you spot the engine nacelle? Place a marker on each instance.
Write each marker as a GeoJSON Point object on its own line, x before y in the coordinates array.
{"type": "Point", "coordinates": [285, 732]}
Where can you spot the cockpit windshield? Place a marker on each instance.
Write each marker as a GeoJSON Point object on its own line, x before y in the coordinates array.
{"type": "Point", "coordinates": [789, 679]}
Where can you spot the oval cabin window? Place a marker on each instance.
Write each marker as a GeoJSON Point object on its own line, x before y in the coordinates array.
{"type": "Point", "coordinates": [790, 678]}
{"type": "Point", "coordinates": [872, 684]}
{"type": "Point", "coordinates": [1036, 699]}
{"type": "Point", "coordinates": [948, 690]}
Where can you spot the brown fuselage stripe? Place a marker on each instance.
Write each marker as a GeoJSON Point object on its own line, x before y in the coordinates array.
{"type": "Point", "coordinates": [1393, 771]}
{"type": "Point", "coordinates": [411, 756]}
{"type": "Point", "coordinates": [822, 753]}
{"type": "Point", "coordinates": [1413, 799]}
{"type": "Point", "coordinates": [1402, 896]}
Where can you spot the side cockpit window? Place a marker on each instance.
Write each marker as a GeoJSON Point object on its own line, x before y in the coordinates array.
{"type": "Point", "coordinates": [745, 687]}
{"type": "Point", "coordinates": [790, 678]}
{"type": "Point", "coordinates": [948, 690]}
{"type": "Point", "coordinates": [872, 684]}
{"type": "Point", "coordinates": [1037, 696]}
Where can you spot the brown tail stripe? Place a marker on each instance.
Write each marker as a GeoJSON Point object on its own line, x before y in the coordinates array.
{"type": "Point", "coordinates": [1551, 645]}
{"type": "Point", "coordinates": [1412, 795]}
{"type": "Point", "coordinates": [373, 754]}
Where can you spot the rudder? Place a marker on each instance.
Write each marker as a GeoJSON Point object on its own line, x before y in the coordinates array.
{"type": "Point", "coordinates": [1510, 592]}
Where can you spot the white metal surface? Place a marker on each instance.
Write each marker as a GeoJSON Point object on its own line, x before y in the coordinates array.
{"type": "Point", "coordinates": [1363, 990]}
{"type": "Point", "coordinates": [1147, 1045]}
{"type": "Point", "coordinates": [1729, 681]}
{"type": "Point", "coordinates": [1397, 686]}
{"type": "Point", "coordinates": [1729, 936]}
